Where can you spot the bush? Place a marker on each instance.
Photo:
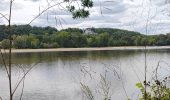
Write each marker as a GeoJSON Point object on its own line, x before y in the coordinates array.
{"type": "Point", "coordinates": [157, 90]}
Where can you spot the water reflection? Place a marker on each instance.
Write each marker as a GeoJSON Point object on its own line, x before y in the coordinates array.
{"type": "Point", "coordinates": [58, 74]}
{"type": "Point", "coordinates": [66, 56]}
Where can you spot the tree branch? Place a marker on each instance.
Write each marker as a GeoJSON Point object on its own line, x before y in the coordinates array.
{"type": "Point", "coordinates": [3, 60]}
{"type": "Point", "coordinates": [42, 12]}
{"type": "Point", "coordinates": [23, 78]}
{"type": "Point", "coordinates": [3, 16]}
{"type": "Point", "coordinates": [23, 84]}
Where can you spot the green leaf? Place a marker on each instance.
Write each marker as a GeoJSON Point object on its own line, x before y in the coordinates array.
{"type": "Point", "coordinates": [139, 85]}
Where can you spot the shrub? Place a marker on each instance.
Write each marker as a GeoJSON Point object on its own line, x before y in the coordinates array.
{"type": "Point", "coordinates": [157, 90]}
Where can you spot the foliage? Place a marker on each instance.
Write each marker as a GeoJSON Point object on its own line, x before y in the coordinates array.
{"type": "Point", "coordinates": [5, 44]}
{"type": "Point", "coordinates": [158, 90]}
{"type": "Point", "coordinates": [26, 41]}
{"type": "Point", "coordinates": [82, 12]}
{"type": "Point", "coordinates": [25, 36]}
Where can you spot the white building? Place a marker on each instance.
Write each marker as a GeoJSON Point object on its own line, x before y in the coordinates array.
{"type": "Point", "coordinates": [88, 31]}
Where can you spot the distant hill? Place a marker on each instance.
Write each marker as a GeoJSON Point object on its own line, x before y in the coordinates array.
{"type": "Point", "coordinates": [25, 30]}
{"type": "Point", "coordinates": [26, 36]}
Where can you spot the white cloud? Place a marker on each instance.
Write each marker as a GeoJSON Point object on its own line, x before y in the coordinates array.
{"type": "Point", "coordinates": [124, 14]}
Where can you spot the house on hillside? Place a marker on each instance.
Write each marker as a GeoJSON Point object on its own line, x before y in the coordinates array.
{"type": "Point", "coordinates": [88, 31]}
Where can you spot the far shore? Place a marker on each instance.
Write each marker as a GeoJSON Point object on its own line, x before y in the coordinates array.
{"type": "Point", "coordinates": [87, 49]}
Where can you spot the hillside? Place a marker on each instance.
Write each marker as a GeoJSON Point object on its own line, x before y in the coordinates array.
{"type": "Point", "coordinates": [25, 36]}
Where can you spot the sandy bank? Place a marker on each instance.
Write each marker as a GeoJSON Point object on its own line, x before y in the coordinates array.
{"type": "Point", "coordinates": [88, 49]}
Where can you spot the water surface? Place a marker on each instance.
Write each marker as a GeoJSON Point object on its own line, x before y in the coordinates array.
{"type": "Point", "coordinates": [57, 75]}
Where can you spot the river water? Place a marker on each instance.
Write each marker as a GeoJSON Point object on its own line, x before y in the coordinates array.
{"type": "Point", "coordinates": [59, 75]}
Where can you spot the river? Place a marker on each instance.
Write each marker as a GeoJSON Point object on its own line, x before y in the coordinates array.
{"type": "Point", "coordinates": [58, 75]}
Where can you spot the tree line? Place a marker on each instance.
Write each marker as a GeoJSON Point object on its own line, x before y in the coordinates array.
{"type": "Point", "coordinates": [26, 36]}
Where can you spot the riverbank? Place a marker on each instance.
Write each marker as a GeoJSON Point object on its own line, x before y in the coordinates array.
{"type": "Point", "coordinates": [88, 49]}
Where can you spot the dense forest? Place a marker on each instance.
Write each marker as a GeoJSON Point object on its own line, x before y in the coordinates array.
{"type": "Point", "coordinates": [26, 36]}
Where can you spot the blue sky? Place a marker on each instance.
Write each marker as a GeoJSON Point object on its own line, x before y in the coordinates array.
{"type": "Point", "coordinates": [133, 15]}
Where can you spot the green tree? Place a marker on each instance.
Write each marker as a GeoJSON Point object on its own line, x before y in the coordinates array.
{"type": "Point", "coordinates": [5, 44]}
{"type": "Point", "coordinates": [63, 39]}
{"type": "Point", "coordinates": [104, 39]}
{"type": "Point", "coordinates": [20, 42]}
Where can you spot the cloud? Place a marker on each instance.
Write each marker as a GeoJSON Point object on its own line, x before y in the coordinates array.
{"type": "Point", "coordinates": [124, 14]}
{"type": "Point", "coordinates": [4, 4]}
{"type": "Point", "coordinates": [109, 7]}
{"type": "Point", "coordinates": [57, 12]}
{"type": "Point", "coordinates": [32, 0]}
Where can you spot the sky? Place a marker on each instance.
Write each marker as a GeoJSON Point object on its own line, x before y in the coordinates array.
{"type": "Point", "coordinates": [145, 16]}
